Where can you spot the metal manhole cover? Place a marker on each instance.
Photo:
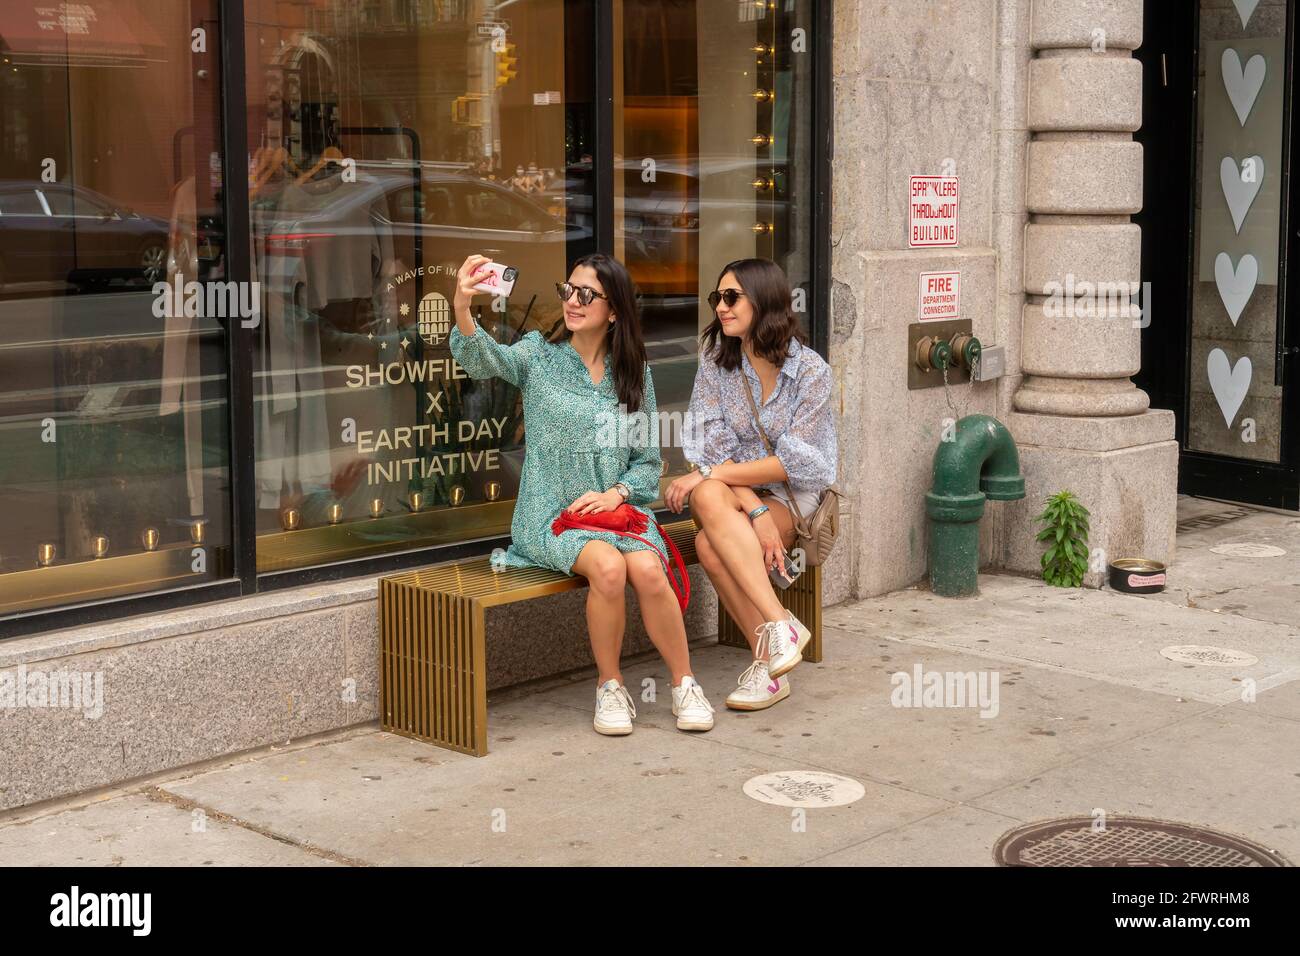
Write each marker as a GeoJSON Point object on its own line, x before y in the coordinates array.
{"type": "Point", "coordinates": [1248, 549]}
{"type": "Point", "coordinates": [1208, 655]}
{"type": "Point", "coordinates": [1127, 841]}
{"type": "Point", "coordinates": [804, 788]}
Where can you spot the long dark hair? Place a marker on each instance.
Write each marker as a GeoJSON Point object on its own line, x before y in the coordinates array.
{"type": "Point", "coordinates": [768, 290]}
{"type": "Point", "coordinates": [623, 335]}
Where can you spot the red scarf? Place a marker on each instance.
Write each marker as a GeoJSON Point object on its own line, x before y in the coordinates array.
{"type": "Point", "coordinates": [630, 523]}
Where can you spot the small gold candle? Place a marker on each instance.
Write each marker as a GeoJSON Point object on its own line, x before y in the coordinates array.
{"type": "Point", "coordinates": [45, 554]}
{"type": "Point", "coordinates": [457, 495]}
{"type": "Point", "coordinates": [198, 531]}
{"type": "Point", "coordinates": [416, 499]}
{"type": "Point", "coordinates": [290, 519]}
{"type": "Point", "coordinates": [376, 507]}
{"type": "Point", "coordinates": [99, 545]}
{"type": "Point", "coordinates": [492, 490]}
{"type": "Point", "coordinates": [150, 537]}
{"type": "Point", "coordinates": [335, 513]}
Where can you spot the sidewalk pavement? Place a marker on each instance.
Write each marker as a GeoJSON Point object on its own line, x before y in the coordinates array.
{"type": "Point", "coordinates": [1089, 715]}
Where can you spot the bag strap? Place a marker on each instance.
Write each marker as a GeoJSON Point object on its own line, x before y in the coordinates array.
{"type": "Point", "coordinates": [801, 526]}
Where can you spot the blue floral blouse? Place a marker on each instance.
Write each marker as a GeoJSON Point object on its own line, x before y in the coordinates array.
{"type": "Point", "coordinates": [579, 439]}
{"type": "Point", "coordinates": [797, 417]}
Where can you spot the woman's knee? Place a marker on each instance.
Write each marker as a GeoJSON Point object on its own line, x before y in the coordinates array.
{"type": "Point", "coordinates": [646, 578]}
{"type": "Point", "coordinates": [606, 573]}
{"type": "Point", "coordinates": [711, 497]}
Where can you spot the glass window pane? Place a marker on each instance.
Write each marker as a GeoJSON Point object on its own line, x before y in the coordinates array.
{"type": "Point", "coordinates": [1235, 408]}
{"type": "Point", "coordinates": [387, 142]}
{"type": "Point", "coordinates": [714, 161]}
{"type": "Point", "coordinates": [113, 444]}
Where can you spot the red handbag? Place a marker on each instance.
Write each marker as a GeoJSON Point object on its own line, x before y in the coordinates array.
{"type": "Point", "coordinates": [629, 522]}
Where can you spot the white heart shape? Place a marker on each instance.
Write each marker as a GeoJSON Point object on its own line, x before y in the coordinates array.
{"type": "Point", "coordinates": [1244, 9]}
{"type": "Point", "coordinates": [1243, 85]}
{"type": "Point", "coordinates": [1236, 286]}
{"type": "Point", "coordinates": [1229, 384]}
{"type": "Point", "coordinates": [1239, 191]}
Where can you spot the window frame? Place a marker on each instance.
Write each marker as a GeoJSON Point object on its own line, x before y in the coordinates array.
{"type": "Point", "coordinates": [589, 25]}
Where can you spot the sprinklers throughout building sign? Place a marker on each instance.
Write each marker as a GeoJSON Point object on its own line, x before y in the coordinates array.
{"type": "Point", "coordinates": [933, 203]}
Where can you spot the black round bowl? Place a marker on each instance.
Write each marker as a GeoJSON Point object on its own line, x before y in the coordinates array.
{"type": "Point", "coordinates": [1137, 575]}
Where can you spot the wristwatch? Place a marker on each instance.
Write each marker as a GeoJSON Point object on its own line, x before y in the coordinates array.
{"type": "Point", "coordinates": [705, 470]}
{"type": "Point", "coordinates": [624, 491]}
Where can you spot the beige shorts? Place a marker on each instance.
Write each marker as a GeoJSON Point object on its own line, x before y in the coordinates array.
{"type": "Point", "coordinates": [807, 500]}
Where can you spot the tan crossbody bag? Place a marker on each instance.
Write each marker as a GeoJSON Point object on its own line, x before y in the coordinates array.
{"type": "Point", "coordinates": [816, 536]}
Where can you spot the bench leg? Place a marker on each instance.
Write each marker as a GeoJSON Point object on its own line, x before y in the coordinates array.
{"type": "Point", "coordinates": [433, 679]}
{"type": "Point", "coordinates": [803, 599]}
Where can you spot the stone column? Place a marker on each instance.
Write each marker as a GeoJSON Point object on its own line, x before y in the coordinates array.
{"type": "Point", "coordinates": [1081, 422]}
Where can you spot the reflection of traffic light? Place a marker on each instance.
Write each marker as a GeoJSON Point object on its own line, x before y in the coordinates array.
{"type": "Point", "coordinates": [506, 61]}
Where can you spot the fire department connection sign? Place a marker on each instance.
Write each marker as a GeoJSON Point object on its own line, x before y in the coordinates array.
{"type": "Point", "coordinates": [934, 202]}
{"type": "Point", "coordinates": [939, 297]}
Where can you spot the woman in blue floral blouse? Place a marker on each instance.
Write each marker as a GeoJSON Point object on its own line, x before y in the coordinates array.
{"type": "Point", "coordinates": [579, 392]}
{"type": "Point", "coordinates": [738, 493]}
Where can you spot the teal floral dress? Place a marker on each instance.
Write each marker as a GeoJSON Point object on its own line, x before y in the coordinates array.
{"type": "Point", "coordinates": [579, 439]}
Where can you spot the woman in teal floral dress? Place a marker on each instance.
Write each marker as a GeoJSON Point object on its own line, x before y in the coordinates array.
{"type": "Point", "coordinates": [591, 444]}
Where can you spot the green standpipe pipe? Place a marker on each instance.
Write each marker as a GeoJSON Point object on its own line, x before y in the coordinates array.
{"type": "Point", "coordinates": [980, 462]}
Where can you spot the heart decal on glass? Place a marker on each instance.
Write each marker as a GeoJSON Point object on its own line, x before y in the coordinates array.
{"type": "Point", "coordinates": [1239, 190]}
{"type": "Point", "coordinates": [1244, 9]}
{"type": "Point", "coordinates": [1236, 286]}
{"type": "Point", "coordinates": [1243, 85]}
{"type": "Point", "coordinates": [1229, 383]}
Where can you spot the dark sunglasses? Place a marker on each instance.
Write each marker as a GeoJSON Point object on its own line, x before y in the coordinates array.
{"type": "Point", "coordinates": [565, 291]}
{"type": "Point", "coordinates": [728, 296]}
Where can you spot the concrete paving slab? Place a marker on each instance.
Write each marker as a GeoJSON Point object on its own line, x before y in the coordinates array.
{"type": "Point", "coordinates": [554, 792]}
{"type": "Point", "coordinates": [133, 830]}
{"type": "Point", "coordinates": [1260, 588]}
{"type": "Point", "coordinates": [962, 836]}
{"type": "Point", "coordinates": [840, 716]}
{"type": "Point", "coordinates": [1104, 635]}
{"type": "Point", "coordinates": [1226, 769]}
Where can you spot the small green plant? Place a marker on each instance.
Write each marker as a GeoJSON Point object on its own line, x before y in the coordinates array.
{"type": "Point", "coordinates": [1065, 529]}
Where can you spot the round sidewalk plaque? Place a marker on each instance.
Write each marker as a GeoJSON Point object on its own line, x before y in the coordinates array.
{"type": "Point", "coordinates": [804, 788]}
{"type": "Point", "coordinates": [1127, 841]}
{"type": "Point", "coordinates": [1209, 656]}
{"type": "Point", "coordinates": [1249, 549]}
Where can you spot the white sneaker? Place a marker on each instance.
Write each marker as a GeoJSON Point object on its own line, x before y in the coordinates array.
{"type": "Point", "coordinates": [757, 690]}
{"type": "Point", "coordinates": [691, 708]}
{"type": "Point", "coordinates": [614, 709]}
{"type": "Point", "coordinates": [785, 641]}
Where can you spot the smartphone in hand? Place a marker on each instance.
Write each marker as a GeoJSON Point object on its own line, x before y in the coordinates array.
{"type": "Point", "coordinates": [778, 579]}
{"type": "Point", "coordinates": [499, 281]}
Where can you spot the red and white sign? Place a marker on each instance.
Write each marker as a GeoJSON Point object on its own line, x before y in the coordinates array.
{"type": "Point", "coordinates": [934, 202]}
{"type": "Point", "coordinates": [939, 298]}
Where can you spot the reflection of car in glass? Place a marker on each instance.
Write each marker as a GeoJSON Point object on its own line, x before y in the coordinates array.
{"type": "Point", "coordinates": [436, 223]}
{"type": "Point", "coordinates": [53, 233]}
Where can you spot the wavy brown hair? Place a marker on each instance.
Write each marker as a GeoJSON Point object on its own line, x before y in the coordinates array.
{"type": "Point", "coordinates": [768, 290]}
{"type": "Point", "coordinates": [623, 335]}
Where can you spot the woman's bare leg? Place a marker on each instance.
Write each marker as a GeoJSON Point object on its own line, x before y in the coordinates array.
{"type": "Point", "coordinates": [723, 519]}
{"type": "Point", "coordinates": [660, 611]}
{"type": "Point", "coordinates": [602, 565]}
{"type": "Point", "coordinates": [747, 617]}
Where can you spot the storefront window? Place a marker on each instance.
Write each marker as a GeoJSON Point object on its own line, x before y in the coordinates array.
{"type": "Point", "coordinates": [389, 141]}
{"type": "Point", "coordinates": [713, 146]}
{"type": "Point", "coordinates": [114, 471]}
{"type": "Point", "coordinates": [1236, 402]}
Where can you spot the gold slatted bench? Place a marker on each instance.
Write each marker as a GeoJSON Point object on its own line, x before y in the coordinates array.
{"type": "Point", "coordinates": [432, 635]}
